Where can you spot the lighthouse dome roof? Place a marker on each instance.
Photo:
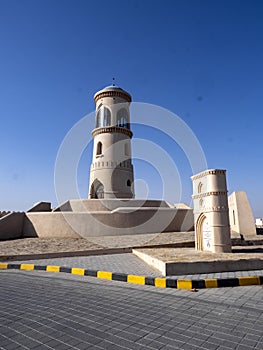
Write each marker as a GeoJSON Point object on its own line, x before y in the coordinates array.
{"type": "Point", "coordinates": [112, 86]}
{"type": "Point", "coordinates": [112, 90]}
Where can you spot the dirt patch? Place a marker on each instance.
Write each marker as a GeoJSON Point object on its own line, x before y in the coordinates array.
{"type": "Point", "coordinates": [192, 255]}
{"type": "Point", "coordinates": [42, 246]}
{"type": "Point", "coordinates": [171, 238]}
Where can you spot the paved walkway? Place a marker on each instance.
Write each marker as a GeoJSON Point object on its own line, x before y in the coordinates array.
{"type": "Point", "coordinates": [128, 264]}
{"type": "Point", "coordinates": [64, 312]}
{"type": "Point", "coordinates": [122, 263]}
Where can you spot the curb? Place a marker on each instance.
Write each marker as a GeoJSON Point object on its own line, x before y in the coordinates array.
{"type": "Point", "coordinates": [160, 282]}
{"type": "Point", "coordinates": [102, 251]}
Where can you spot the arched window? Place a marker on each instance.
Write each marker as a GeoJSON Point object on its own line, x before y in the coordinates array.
{"type": "Point", "coordinates": [129, 183]}
{"type": "Point", "coordinates": [106, 117]}
{"type": "Point", "coordinates": [99, 118]}
{"type": "Point", "coordinates": [123, 119]}
{"type": "Point", "coordinates": [99, 148]}
{"type": "Point", "coordinates": [103, 117]}
{"type": "Point", "coordinates": [234, 217]}
{"type": "Point", "coordinates": [200, 185]}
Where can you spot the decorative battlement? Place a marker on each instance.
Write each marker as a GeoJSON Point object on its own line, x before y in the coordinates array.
{"type": "Point", "coordinates": [112, 129]}
{"type": "Point", "coordinates": [208, 172]}
{"type": "Point", "coordinates": [220, 208]}
{"type": "Point", "coordinates": [214, 193]}
{"type": "Point", "coordinates": [113, 165]}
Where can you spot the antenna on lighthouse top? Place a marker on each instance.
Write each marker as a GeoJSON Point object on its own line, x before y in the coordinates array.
{"type": "Point", "coordinates": [113, 81]}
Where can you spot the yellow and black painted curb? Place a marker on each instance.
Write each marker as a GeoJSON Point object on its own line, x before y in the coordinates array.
{"type": "Point", "coordinates": [161, 282]}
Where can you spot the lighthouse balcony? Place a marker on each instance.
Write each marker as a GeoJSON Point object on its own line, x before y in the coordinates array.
{"type": "Point", "coordinates": [112, 129]}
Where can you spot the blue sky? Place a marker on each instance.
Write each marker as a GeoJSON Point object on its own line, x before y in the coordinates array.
{"type": "Point", "coordinates": [202, 60]}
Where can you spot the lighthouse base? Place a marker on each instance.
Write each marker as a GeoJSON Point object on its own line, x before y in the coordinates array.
{"type": "Point", "coordinates": [107, 217]}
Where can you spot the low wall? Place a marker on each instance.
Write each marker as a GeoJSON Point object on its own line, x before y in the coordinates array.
{"type": "Point", "coordinates": [122, 221]}
{"type": "Point", "coordinates": [94, 218]}
{"type": "Point", "coordinates": [94, 205]}
{"type": "Point", "coordinates": [47, 225]}
{"type": "Point", "coordinates": [11, 226]}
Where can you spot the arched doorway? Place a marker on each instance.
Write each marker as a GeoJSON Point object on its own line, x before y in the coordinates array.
{"type": "Point", "coordinates": [97, 190]}
{"type": "Point", "coordinates": [203, 233]}
{"type": "Point", "coordinates": [199, 231]}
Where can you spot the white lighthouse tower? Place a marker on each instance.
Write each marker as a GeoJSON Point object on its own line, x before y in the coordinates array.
{"type": "Point", "coordinates": [111, 173]}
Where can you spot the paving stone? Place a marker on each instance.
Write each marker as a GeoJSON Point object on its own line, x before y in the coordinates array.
{"type": "Point", "coordinates": [85, 346]}
{"type": "Point", "coordinates": [42, 347]}
{"type": "Point", "coordinates": [12, 346]}
{"type": "Point", "coordinates": [195, 341]}
{"type": "Point", "coordinates": [189, 346]}
{"type": "Point", "coordinates": [250, 342]}
{"type": "Point", "coordinates": [209, 346]}
{"type": "Point", "coordinates": [243, 347]}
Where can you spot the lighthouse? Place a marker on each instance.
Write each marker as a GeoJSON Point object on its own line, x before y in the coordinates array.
{"type": "Point", "coordinates": [111, 172]}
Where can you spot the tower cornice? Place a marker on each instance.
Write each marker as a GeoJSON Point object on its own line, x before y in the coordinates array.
{"type": "Point", "coordinates": [112, 129]}
{"type": "Point", "coordinates": [208, 172]}
{"type": "Point", "coordinates": [112, 93]}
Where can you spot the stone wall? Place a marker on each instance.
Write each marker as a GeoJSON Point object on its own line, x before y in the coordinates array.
{"type": "Point", "coordinates": [11, 226]}
{"type": "Point", "coordinates": [240, 214]}
{"type": "Point", "coordinates": [4, 213]}
{"type": "Point", "coordinates": [121, 221]}
{"type": "Point", "coordinates": [89, 218]}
